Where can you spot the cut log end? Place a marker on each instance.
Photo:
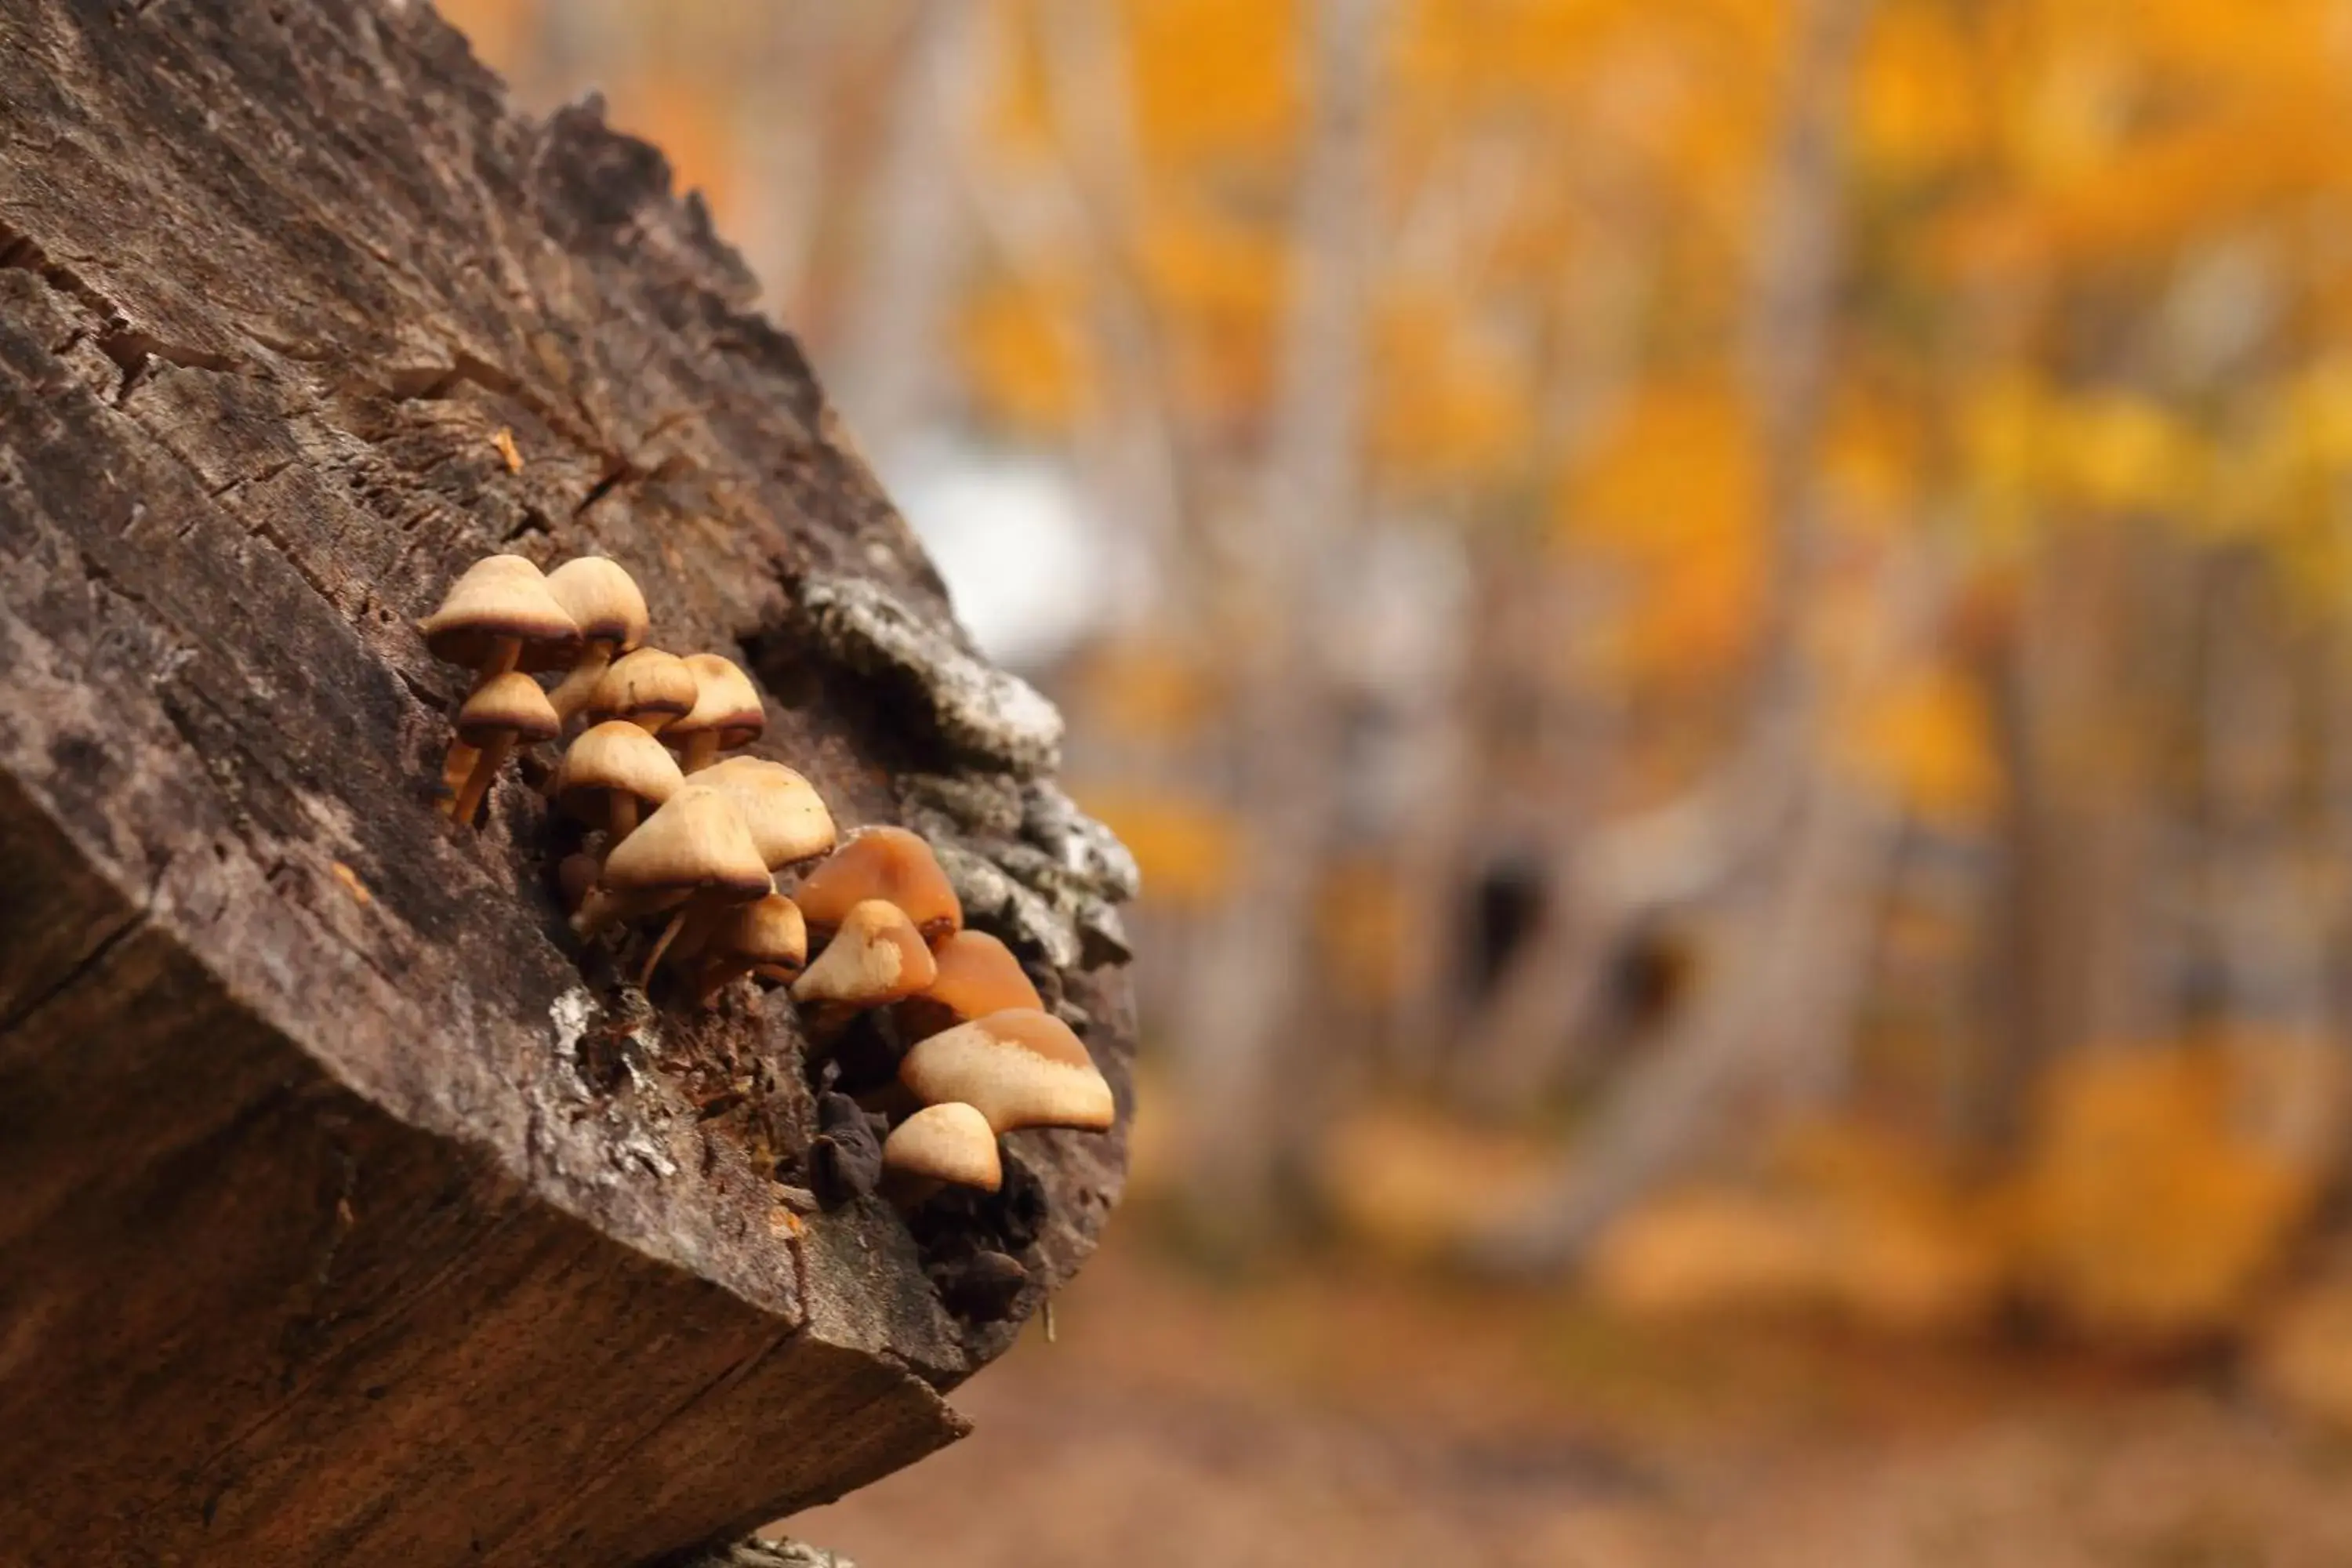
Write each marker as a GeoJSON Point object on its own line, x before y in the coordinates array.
{"type": "Point", "coordinates": [351, 1210]}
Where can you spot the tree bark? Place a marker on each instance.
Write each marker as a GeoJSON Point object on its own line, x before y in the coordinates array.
{"type": "Point", "coordinates": [349, 1211]}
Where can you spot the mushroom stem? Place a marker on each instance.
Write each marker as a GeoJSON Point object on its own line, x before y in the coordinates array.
{"type": "Point", "coordinates": [572, 693]}
{"type": "Point", "coordinates": [621, 818]}
{"type": "Point", "coordinates": [690, 923]}
{"type": "Point", "coordinates": [477, 781]}
{"type": "Point", "coordinates": [701, 750]}
{"type": "Point", "coordinates": [603, 907]}
{"type": "Point", "coordinates": [457, 767]}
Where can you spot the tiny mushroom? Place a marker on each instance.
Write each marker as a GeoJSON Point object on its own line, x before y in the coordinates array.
{"type": "Point", "coordinates": [609, 610]}
{"type": "Point", "coordinates": [650, 689]}
{"type": "Point", "coordinates": [611, 772]}
{"type": "Point", "coordinates": [875, 957]}
{"type": "Point", "coordinates": [765, 937]}
{"type": "Point", "coordinates": [978, 976]}
{"type": "Point", "coordinates": [507, 709]}
{"type": "Point", "coordinates": [888, 863]}
{"type": "Point", "coordinates": [1019, 1066]}
{"type": "Point", "coordinates": [694, 848]}
{"type": "Point", "coordinates": [939, 1144]}
{"type": "Point", "coordinates": [495, 608]}
{"type": "Point", "coordinates": [499, 605]}
{"type": "Point", "coordinates": [726, 713]}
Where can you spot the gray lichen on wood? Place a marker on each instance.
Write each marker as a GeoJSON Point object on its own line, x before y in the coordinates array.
{"type": "Point", "coordinates": [982, 714]}
{"type": "Point", "coordinates": [344, 1216]}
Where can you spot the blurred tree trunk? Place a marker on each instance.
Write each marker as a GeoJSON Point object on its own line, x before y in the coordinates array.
{"type": "Point", "coordinates": [1538, 1012]}
{"type": "Point", "coordinates": [1240, 1032]}
{"type": "Point", "coordinates": [781, 134]}
{"type": "Point", "coordinates": [888, 366]}
{"type": "Point", "coordinates": [1139, 450]}
{"type": "Point", "coordinates": [1771, 1007]}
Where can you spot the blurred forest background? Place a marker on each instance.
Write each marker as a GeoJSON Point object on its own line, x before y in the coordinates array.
{"type": "Point", "coordinates": [1722, 630]}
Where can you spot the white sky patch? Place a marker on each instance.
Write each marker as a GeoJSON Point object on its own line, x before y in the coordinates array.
{"type": "Point", "coordinates": [1009, 534]}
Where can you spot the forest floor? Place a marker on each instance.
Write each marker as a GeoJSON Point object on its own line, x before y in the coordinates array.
{"type": "Point", "coordinates": [1337, 1416]}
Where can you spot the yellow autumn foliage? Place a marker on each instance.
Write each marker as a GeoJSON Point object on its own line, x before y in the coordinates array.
{"type": "Point", "coordinates": [2300, 1351]}
{"type": "Point", "coordinates": [1842, 1222]}
{"type": "Point", "coordinates": [1926, 739]}
{"type": "Point", "coordinates": [1406, 1181]}
{"type": "Point", "coordinates": [1016, 340]}
{"type": "Point", "coordinates": [1184, 848]}
{"type": "Point", "coordinates": [1672, 492]}
{"type": "Point", "coordinates": [2159, 1191]}
{"type": "Point", "coordinates": [1456, 407]}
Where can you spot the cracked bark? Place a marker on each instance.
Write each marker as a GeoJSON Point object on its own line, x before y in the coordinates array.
{"type": "Point", "coordinates": [348, 1212]}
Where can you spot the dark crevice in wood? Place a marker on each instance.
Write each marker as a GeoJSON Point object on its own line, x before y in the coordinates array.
{"type": "Point", "coordinates": [619, 473]}
{"type": "Point", "coordinates": [88, 964]}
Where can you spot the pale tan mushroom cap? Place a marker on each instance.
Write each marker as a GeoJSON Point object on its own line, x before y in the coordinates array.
{"type": "Point", "coordinates": [888, 863]}
{"type": "Point", "coordinates": [876, 957]}
{"type": "Point", "coordinates": [512, 701]}
{"type": "Point", "coordinates": [695, 841]}
{"type": "Point", "coordinates": [611, 756]}
{"type": "Point", "coordinates": [497, 597]}
{"type": "Point", "coordinates": [950, 1142]}
{"type": "Point", "coordinates": [788, 818]}
{"type": "Point", "coordinates": [725, 700]}
{"type": "Point", "coordinates": [650, 689]}
{"type": "Point", "coordinates": [1020, 1068]}
{"type": "Point", "coordinates": [768, 932]}
{"type": "Point", "coordinates": [602, 600]}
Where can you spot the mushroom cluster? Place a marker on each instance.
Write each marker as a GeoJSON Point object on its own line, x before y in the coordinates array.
{"type": "Point", "coordinates": [928, 1042]}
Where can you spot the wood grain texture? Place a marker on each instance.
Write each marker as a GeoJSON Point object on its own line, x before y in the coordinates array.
{"type": "Point", "coordinates": [349, 1212]}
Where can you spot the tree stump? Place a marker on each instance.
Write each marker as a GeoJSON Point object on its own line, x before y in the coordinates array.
{"type": "Point", "coordinates": [351, 1211]}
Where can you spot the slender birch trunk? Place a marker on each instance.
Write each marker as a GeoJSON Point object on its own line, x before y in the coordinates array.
{"type": "Point", "coordinates": [1244, 1032]}
{"type": "Point", "coordinates": [1777, 980]}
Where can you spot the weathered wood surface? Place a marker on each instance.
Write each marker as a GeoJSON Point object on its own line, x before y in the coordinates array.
{"type": "Point", "coordinates": [349, 1213]}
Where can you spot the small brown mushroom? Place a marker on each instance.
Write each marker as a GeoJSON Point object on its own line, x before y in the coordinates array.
{"type": "Point", "coordinates": [875, 957]}
{"type": "Point", "coordinates": [694, 847]}
{"type": "Point", "coordinates": [609, 773]}
{"type": "Point", "coordinates": [766, 937]}
{"type": "Point", "coordinates": [726, 713]}
{"type": "Point", "coordinates": [605, 604]}
{"type": "Point", "coordinates": [499, 606]}
{"type": "Point", "coordinates": [649, 688]}
{"type": "Point", "coordinates": [888, 863]}
{"type": "Point", "coordinates": [939, 1144]}
{"type": "Point", "coordinates": [1020, 1068]}
{"type": "Point", "coordinates": [496, 609]}
{"type": "Point", "coordinates": [504, 709]}
{"type": "Point", "coordinates": [978, 976]}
